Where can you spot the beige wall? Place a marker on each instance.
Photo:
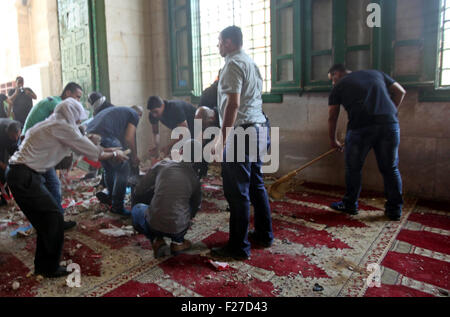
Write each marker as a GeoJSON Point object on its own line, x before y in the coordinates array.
{"type": "Point", "coordinates": [425, 148]}
{"type": "Point", "coordinates": [33, 45]}
{"type": "Point", "coordinates": [9, 53]}
{"type": "Point", "coordinates": [137, 57]}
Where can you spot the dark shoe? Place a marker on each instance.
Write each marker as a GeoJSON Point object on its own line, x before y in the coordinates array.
{"type": "Point", "coordinates": [121, 212]}
{"type": "Point", "coordinates": [104, 198]}
{"type": "Point", "coordinates": [254, 239]}
{"type": "Point", "coordinates": [340, 206]}
{"type": "Point", "coordinates": [393, 217]}
{"type": "Point", "coordinates": [60, 272]}
{"type": "Point", "coordinates": [177, 249]}
{"type": "Point", "coordinates": [227, 252]}
{"type": "Point", "coordinates": [160, 248]}
{"type": "Point", "coordinates": [69, 225]}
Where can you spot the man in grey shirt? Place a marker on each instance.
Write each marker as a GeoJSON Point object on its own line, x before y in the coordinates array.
{"type": "Point", "coordinates": [240, 106]}
{"type": "Point", "coordinates": [174, 190]}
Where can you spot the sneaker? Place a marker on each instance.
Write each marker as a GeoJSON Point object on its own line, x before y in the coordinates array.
{"type": "Point", "coordinates": [254, 239]}
{"type": "Point", "coordinates": [160, 248]}
{"type": "Point", "coordinates": [227, 252]}
{"type": "Point", "coordinates": [177, 249]}
{"type": "Point", "coordinates": [121, 212]}
{"type": "Point", "coordinates": [69, 225]}
{"type": "Point", "coordinates": [340, 206]}
{"type": "Point", "coordinates": [104, 198]}
{"type": "Point", "coordinates": [60, 272]}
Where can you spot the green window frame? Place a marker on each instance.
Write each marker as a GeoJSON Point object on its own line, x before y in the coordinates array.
{"type": "Point", "coordinates": [339, 48]}
{"type": "Point", "coordinates": [282, 10]}
{"type": "Point", "coordinates": [299, 54]}
{"type": "Point", "coordinates": [427, 44]}
{"type": "Point", "coordinates": [185, 53]}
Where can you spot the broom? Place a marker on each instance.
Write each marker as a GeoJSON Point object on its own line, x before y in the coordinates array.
{"type": "Point", "coordinates": [279, 189]}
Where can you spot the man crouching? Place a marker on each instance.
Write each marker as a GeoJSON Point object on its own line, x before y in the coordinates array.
{"type": "Point", "coordinates": [174, 192]}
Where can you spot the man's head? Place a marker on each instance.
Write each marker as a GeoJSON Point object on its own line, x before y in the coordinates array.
{"type": "Point", "coordinates": [230, 40]}
{"type": "Point", "coordinates": [337, 72]}
{"type": "Point", "coordinates": [72, 90]}
{"type": "Point", "coordinates": [96, 100]}
{"type": "Point", "coordinates": [156, 107]}
{"type": "Point", "coordinates": [20, 82]}
{"type": "Point", "coordinates": [139, 110]}
{"type": "Point", "coordinates": [14, 130]}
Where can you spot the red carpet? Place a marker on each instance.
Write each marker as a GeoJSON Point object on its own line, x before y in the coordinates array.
{"type": "Point", "coordinates": [313, 245]}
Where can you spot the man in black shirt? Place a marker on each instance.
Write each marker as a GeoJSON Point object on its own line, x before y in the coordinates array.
{"type": "Point", "coordinates": [371, 99]}
{"type": "Point", "coordinates": [173, 114]}
{"type": "Point", "coordinates": [22, 99]}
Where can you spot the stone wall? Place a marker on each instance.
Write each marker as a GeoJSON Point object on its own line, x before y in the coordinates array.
{"type": "Point", "coordinates": [137, 57]}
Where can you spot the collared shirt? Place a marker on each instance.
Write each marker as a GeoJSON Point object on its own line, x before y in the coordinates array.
{"type": "Point", "coordinates": [177, 196]}
{"type": "Point", "coordinates": [241, 75]}
{"type": "Point", "coordinates": [41, 112]}
{"type": "Point", "coordinates": [49, 142]}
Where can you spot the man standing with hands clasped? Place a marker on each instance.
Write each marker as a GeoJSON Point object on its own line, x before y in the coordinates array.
{"type": "Point", "coordinates": [240, 106]}
{"type": "Point", "coordinates": [371, 99]}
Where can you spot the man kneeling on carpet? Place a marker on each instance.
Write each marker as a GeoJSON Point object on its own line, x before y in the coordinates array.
{"type": "Point", "coordinates": [44, 146]}
{"type": "Point", "coordinates": [174, 191]}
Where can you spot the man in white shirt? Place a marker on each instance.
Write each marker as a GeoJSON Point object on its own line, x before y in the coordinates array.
{"type": "Point", "coordinates": [44, 146]}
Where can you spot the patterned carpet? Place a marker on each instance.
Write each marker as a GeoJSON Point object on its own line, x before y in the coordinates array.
{"type": "Point", "coordinates": [317, 252]}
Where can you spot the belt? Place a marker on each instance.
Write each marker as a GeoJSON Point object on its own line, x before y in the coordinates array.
{"type": "Point", "coordinates": [254, 125]}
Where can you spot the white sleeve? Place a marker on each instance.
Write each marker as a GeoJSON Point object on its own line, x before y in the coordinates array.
{"type": "Point", "coordinates": [78, 143]}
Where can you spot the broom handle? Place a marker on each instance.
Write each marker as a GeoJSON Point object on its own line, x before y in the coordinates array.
{"type": "Point", "coordinates": [294, 173]}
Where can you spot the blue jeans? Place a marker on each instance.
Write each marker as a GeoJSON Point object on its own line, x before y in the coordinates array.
{"type": "Point", "coordinates": [140, 224]}
{"type": "Point", "coordinates": [116, 175]}
{"type": "Point", "coordinates": [51, 181]}
{"type": "Point", "coordinates": [243, 184]}
{"type": "Point", "coordinates": [385, 140]}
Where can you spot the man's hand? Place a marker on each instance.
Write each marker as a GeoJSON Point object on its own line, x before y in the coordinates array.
{"type": "Point", "coordinates": [166, 151]}
{"type": "Point", "coordinates": [121, 156]}
{"type": "Point", "coordinates": [135, 162]}
{"type": "Point", "coordinates": [218, 148]}
{"type": "Point", "coordinates": [154, 152]}
{"type": "Point", "coordinates": [335, 144]}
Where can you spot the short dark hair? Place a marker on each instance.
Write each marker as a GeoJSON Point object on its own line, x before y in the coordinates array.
{"type": "Point", "coordinates": [154, 102]}
{"type": "Point", "coordinates": [14, 127]}
{"type": "Point", "coordinates": [72, 87]}
{"type": "Point", "coordinates": [20, 77]}
{"type": "Point", "coordinates": [234, 33]}
{"type": "Point", "coordinates": [3, 98]}
{"type": "Point", "coordinates": [337, 68]}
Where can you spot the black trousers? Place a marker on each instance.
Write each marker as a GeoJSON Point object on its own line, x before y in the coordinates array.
{"type": "Point", "coordinates": [43, 212]}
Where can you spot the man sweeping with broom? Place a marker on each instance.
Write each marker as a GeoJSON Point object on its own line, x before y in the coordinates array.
{"type": "Point", "coordinates": [371, 99]}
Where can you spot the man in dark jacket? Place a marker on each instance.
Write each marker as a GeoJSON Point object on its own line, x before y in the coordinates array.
{"type": "Point", "coordinates": [174, 191]}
